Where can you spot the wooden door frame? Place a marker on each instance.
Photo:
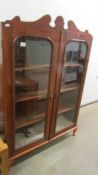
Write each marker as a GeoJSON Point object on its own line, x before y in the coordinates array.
{"type": "Point", "coordinates": [67, 35]}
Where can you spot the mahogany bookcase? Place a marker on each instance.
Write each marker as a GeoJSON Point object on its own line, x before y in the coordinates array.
{"type": "Point", "coordinates": [42, 75]}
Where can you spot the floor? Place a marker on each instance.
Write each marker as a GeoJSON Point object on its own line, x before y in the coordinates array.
{"type": "Point", "coordinates": [68, 155]}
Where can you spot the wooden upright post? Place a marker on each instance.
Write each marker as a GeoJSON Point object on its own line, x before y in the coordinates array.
{"type": "Point", "coordinates": [3, 158]}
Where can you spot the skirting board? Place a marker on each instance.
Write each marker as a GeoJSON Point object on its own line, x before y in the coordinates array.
{"type": "Point", "coordinates": [88, 103]}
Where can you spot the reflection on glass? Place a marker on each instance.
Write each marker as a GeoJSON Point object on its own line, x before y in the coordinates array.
{"type": "Point", "coordinates": [64, 120]}
{"type": "Point", "coordinates": [75, 51]}
{"type": "Point", "coordinates": [32, 66]}
{"type": "Point", "coordinates": [30, 134]}
{"type": "Point", "coordinates": [74, 61]}
{"type": "Point", "coordinates": [69, 75]}
{"type": "Point", "coordinates": [32, 51]}
{"type": "Point", "coordinates": [68, 99]}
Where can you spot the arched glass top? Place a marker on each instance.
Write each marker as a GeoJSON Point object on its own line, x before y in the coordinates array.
{"type": "Point", "coordinates": [32, 51]}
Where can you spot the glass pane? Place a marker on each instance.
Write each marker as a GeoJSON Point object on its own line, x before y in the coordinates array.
{"type": "Point", "coordinates": [31, 83]}
{"type": "Point", "coordinates": [30, 121]}
{"type": "Point", "coordinates": [64, 120]}
{"type": "Point", "coordinates": [74, 62]}
{"type": "Point", "coordinates": [75, 51]}
{"type": "Point", "coordinates": [30, 134]}
{"type": "Point", "coordinates": [32, 51]}
{"type": "Point", "coordinates": [68, 99]}
{"type": "Point", "coordinates": [32, 67]}
{"type": "Point", "coordinates": [30, 111]}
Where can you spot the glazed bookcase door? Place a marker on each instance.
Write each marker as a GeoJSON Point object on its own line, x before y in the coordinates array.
{"type": "Point", "coordinates": [72, 65]}
{"type": "Point", "coordinates": [32, 68]}
{"type": "Point", "coordinates": [29, 83]}
{"type": "Point", "coordinates": [72, 73]}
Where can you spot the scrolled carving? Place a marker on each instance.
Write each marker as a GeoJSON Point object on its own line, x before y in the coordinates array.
{"type": "Point", "coordinates": [44, 21]}
{"type": "Point", "coordinates": [59, 22]}
{"type": "Point", "coordinates": [72, 26]}
{"type": "Point", "coordinates": [16, 18]}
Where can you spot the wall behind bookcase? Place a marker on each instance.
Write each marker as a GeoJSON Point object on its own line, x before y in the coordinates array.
{"type": "Point", "coordinates": [84, 13]}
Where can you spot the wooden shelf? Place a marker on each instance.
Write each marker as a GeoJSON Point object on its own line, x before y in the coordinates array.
{"type": "Point", "coordinates": [30, 96]}
{"type": "Point", "coordinates": [22, 121]}
{"type": "Point", "coordinates": [43, 94]}
{"type": "Point", "coordinates": [62, 110]}
{"type": "Point", "coordinates": [73, 65]}
{"type": "Point", "coordinates": [66, 88]}
{"type": "Point", "coordinates": [29, 67]}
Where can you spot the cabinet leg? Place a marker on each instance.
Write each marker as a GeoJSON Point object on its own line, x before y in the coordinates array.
{"type": "Point", "coordinates": [10, 163]}
{"type": "Point", "coordinates": [74, 131]}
